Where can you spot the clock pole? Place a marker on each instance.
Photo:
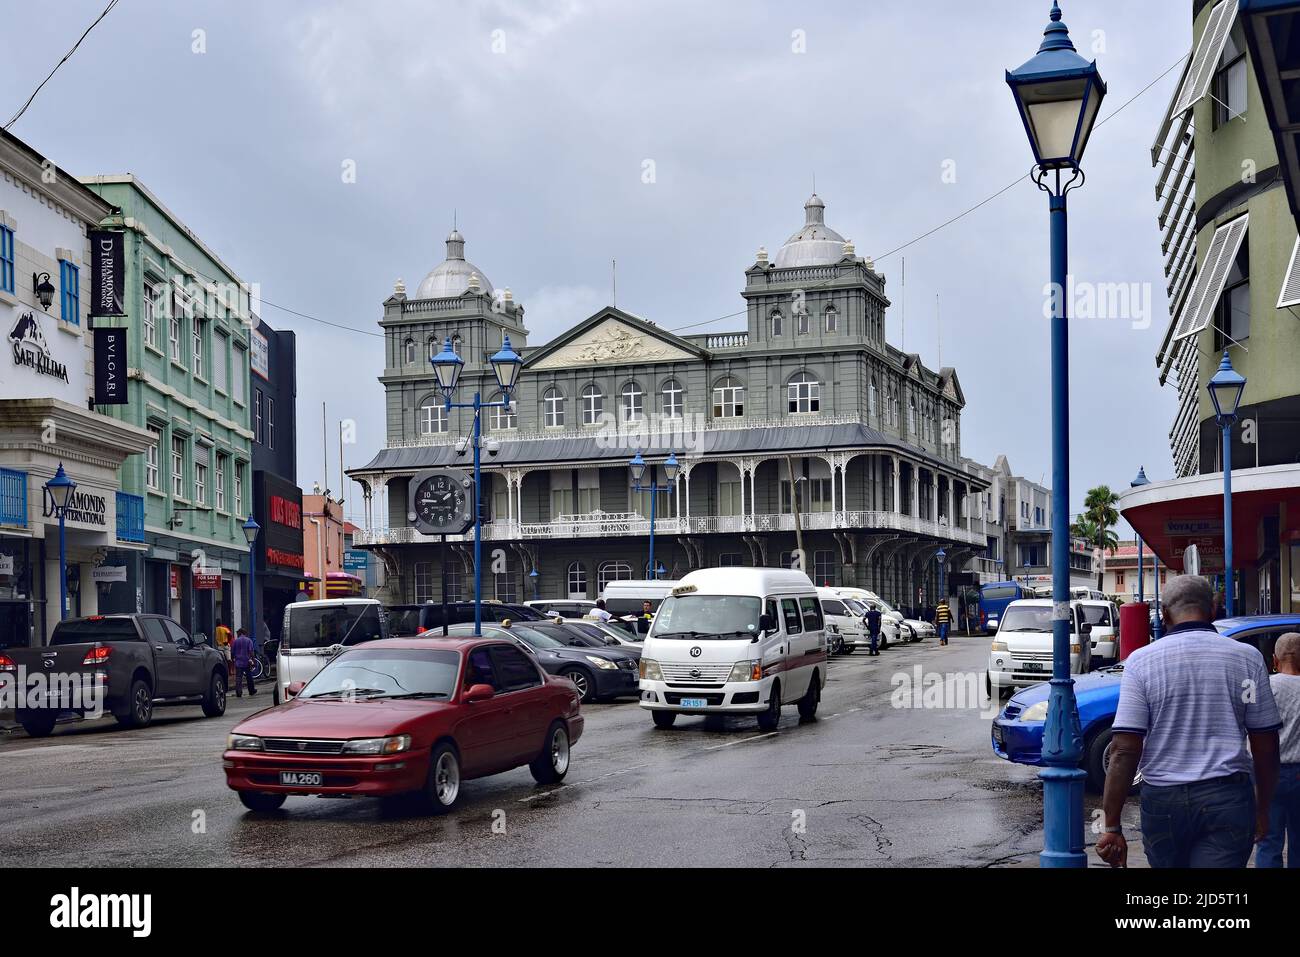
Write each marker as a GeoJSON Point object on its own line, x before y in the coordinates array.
{"type": "Point", "coordinates": [478, 523]}
{"type": "Point", "coordinates": [442, 560]}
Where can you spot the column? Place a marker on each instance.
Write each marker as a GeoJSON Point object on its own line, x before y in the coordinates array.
{"type": "Point", "coordinates": [916, 492]}
{"type": "Point", "coordinates": [898, 490]}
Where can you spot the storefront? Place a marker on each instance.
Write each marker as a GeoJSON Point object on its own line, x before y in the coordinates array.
{"type": "Point", "coordinates": [277, 508]}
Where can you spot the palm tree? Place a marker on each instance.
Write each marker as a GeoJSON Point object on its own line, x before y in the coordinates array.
{"type": "Point", "coordinates": [1096, 524]}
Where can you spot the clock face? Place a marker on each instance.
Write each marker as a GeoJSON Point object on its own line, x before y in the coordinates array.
{"type": "Point", "coordinates": [440, 503]}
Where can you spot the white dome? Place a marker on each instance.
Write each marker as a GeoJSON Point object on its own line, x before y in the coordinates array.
{"type": "Point", "coordinates": [814, 245]}
{"type": "Point", "coordinates": [450, 278]}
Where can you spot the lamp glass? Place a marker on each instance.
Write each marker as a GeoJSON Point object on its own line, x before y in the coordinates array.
{"type": "Point", "coordinates": [637, 465]}
{"type": "Point", "coordinates": [250, 528]}
{"type": "Point", "coordinates": [506, 365]}
{"type": "Point", "coordinates": [671, 467]}
{"type": "Point", "coordinates": [61, 488]}
{"type": "Point", "coordinates": [446, 367]}
{"type": "Point", "coordinates": [1226, 388]}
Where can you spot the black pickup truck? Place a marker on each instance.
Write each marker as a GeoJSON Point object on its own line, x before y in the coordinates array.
{"type": "Point", "coordinates": [118, 664]}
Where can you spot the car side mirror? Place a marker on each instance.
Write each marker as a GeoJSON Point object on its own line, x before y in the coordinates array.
{"type": "Point", "coordinates": [295, 688]}
{"type": "Point", "coordinates": [766, 624]}
{"type": "Point", "coordinates": [477, 693]}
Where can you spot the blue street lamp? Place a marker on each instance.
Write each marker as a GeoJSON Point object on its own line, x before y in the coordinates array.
{"type": "Point", "coordinates": [251, 528]}
{"type": "Point", "coordinates": [447, 366]}
{"type": "Point", "coordinates": [61, 488]}
{"type": "Point", "coordinates": [1225, 391]}
{"type": "Point", "coordinates": [638, 465]}
{"type": "Point", "coordinates": [1138, 483]}
{"type": "Point", "coordinates": [1058, 94]}
{"type": "Point", "coordinates": [533, 576]}
{"type": "Point", "coordinates": [941, 558]}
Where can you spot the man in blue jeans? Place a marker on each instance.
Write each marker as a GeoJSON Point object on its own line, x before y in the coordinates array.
{"type": "Point", "coordinates": [1284, 819]}
{"type": "Point", "coordinates": [1187, 705]}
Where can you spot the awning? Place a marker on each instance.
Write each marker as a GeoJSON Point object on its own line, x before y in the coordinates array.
{"type": "Point", "coordinates": [1272, 29]}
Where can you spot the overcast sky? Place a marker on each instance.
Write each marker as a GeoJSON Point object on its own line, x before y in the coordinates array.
{"type": "Point", "coordinates": [534, 122]}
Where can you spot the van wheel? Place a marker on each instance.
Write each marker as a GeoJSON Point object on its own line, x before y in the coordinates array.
{"type": "Point", "coordinates": [139, 706]}
{"type": "Point", "coordinates": [811, 698]}
{"type": "Point", "coordinates": [552, 764]}
{"type": "Point", "coordinates": [664, 719]}
{"type": "Point", "coordinates": [261, 801]}
{"type": "Point", "coordinates": [38, 724]}
{"type": "Point", "coordinates": [769, 719]}
{"type": "Point", "coordinates": [214, 702]}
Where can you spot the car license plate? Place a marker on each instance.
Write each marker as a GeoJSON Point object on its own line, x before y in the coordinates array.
{"type": "Point", "coordinates": [695, 702]}
{"type": "Point", "coordinates": [997, 734]}
{"type": "Point", "coordinates": [302, 778]}
{"type": "Point", "coordinates": [1032, 666]}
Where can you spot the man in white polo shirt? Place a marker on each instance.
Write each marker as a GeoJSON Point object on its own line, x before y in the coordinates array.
{"type": "Point", "coordinates": [1285, 823]}
{"type": "Point", "coordinates": [1187, 705]}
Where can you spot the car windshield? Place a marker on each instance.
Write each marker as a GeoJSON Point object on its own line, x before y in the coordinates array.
{"type": "Point", "coordinates": [528, 635]}
{"type": "Point", "coordinates": [1026, 618]}
{"type": "Point", "coordinates": [93, 629]}
{"type": "Point", "coordinates": [597, 634]}
{"type": "Point", "coordinates": [996, 592]}
{"type": "Point", "coordinates": [1096, 614]}
{"type": "Point", "coordinates": [320, 627]}
{"type": "Point", "coordinates": [707, 616]}
{"type": "Point", "coordinates": [386, 673]}
{"type": "Point", "coordinates": [567, 634]}
{"type": "Point", "coordinates": [855, 606]}
{"type": "Point", "coordinates": [403, 621]}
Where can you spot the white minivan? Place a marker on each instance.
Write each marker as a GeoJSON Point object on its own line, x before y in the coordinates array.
{"type": "Point", "coordinates": [315, 631]}
{"type": "Point", "coordinates": [735, 641]}
{"type": "Point", "coordinates": [1103, 615]}
{"type": "Point", "coordinates": [848, 618]}
{"type": "Point", "coordinates": [1021, 652]}
{"type": "Point", "coordinates": [891, 620]}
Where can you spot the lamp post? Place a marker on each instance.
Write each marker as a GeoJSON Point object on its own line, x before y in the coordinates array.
{"type": "Point", "coordinates": [61, 488]}
{"type": "Point", "coordinates": [251, 528]}
{"type": "Point", "coordinates": [1225, 391]}
{"type": "Point", "coordinates": [533, 575]}
{"type": "Point", "coordinates": [447, 366]}
{"type": "Point", "coordinates": [1138, 483]}
{"type": "Point", "coordinates": [1058, 94]}
{"type": "Point", "coordinates": [941, 558]}
{"type": "Point", "coordinates": [638, 465]}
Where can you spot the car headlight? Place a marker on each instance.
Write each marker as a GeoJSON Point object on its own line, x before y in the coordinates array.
{"type": "Point", "coordinates": [746, 671]}
{"type": "Point", "coordinates": [998, 646]}
{"type": "Point", "coordinates": [604, 663]}
{"type": "Point", "coordinates": [244, 742]}
{"type": "Point", "coordinates": [1035, 712]}
{"type": "Point", "coordinates": [391, 745]}
{"type": "Point", "coordinates": [650, 670]}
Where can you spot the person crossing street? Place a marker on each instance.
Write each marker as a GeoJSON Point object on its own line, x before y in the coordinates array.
{"type": "Point", "coordinates": [873, 629]}
{"type": "Point", "coordinates": [943, 619]}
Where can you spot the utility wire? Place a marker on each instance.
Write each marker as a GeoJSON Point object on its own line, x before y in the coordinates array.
{"type": "Point", "coordinates": [66, 56]}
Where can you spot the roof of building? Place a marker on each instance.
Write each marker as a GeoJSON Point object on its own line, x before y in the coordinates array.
{"type": "Point", "coordinates": [450, 278]}
{"type": "Point", "coordinates": [816, 244]}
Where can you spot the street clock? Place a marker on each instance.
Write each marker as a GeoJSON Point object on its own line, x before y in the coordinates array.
{"type": "Point", "coordinates": [442, 502]}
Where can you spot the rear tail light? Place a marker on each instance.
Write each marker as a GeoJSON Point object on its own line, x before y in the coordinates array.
{"type": "Point", "coordinates": [421, 630]}
{"type": "Point", "coordinates": [97, 655]}
{"type": "Point", "coordinates": [7, 664]}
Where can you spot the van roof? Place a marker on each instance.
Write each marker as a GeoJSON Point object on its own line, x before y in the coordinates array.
{"type": "Point", "coordinates": [331, 602]}
{"type": "Point", "coordinates": [748, 581]}
{"type": "Point", "coordinates": [1043, 601]}
{"type": "Point", "coordinates": [646, 586]}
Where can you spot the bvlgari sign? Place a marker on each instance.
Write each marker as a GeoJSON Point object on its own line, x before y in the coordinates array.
{"type": "Point", "coordinates": [31, 350]}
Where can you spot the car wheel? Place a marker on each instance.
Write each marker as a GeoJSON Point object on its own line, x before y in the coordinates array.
{"type": "Point", "coordinates": [214, 702]}
{"type": "Point", "coordinates": [442, 788]}
{"type": "Point", "coordinates": [261, 801]}
{"type": "Point", "coordinates": [586, 687]}
{"type": "Point", "coordinates": [664, 719]}
{"type": "Point", "coordinates": [552, 764]}
{"type": "Point", "coordinates": [275, 691]}
{"type": "Point", "coordinates": [139, 706]}
{"type": "Point", "coordinates": [1096, 762]}
{"type": "Point", "coordinates": [849, 649]}
{"type": "Point", "coordinates": [811, 698]}
{"type": "Point", "coordinates": [39, 724]}
{"type": "Point", "coordinates": [769, 719]}
{"type": "Point", "coordinates": [884, 642]}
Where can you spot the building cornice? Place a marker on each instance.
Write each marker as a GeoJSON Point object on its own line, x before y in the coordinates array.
{"type": "Point", "coordinates": [24, 163]}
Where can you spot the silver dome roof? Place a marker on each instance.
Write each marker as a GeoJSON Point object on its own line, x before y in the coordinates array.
{"type": "Point", "coordinates": [450, 279]}
{"type": "Point", "coordinates": [814, 245]}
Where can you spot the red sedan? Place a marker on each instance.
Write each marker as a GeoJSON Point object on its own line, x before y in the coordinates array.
{"type": "Point", "coordinates": [407, 716]}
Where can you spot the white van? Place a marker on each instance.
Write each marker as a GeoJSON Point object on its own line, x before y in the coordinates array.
{"type": "Point", "coordinates": [625, 599]}
{"type": "Point", "coordinates": [315, 631]}
{"type": "Point", "coordinates": [735, 641]}
{"type": "Point", "coordinates": [1103, 615]}
{"type": "Point", "coordinates": [891, 620]}
{"type": "Point", "coordinates": [1021, 653]}
{"type": "Point", "coordinates": [845, 615]}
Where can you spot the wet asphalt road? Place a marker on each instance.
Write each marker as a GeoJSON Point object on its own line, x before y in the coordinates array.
{"type": "Point", "coordinates": [864, 784]}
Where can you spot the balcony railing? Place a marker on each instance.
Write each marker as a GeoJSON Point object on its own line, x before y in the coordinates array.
{"type": "Point", "coordinates": [613, 524]}
{"type": "Point", "coordinates": [130, 518]}
{"type": "Point", "coordinates": [13, 498]}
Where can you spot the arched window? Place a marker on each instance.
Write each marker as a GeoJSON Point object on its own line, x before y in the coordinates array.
{"type": "Point", "coordinates": [612, 572]}
{"type": "Point", "coordinates": [673, 399]}
{"type": "Point", "coordinates": [776, 323]}
{"type": "Point", "coordinates": [553, 408]}
{"type": "Point", "coordinates": [432, 417]}
{"type": "Point", "coordinates": [728, 399]}
{"type": "Point", "coordinates": [410, 352]}
{"type": "Point", "coordinates": [804, 393]}
{"type": "Point", "coordinates": [504, 583]}
{"type": "Point", "coordinates": [832, 319]}
{"type": "Point", "coordinates": [593, 404]}
{"type": "Point", "coordinates": [802, 320]}
{"type": "Point", "coordinates": [631, 402]}
{"type": "Point", "coordinates": [871, 403]}
{"type": "Point", "coordinates": [911, 416]}
{"type": "Point", "coordinates": [435, 346]}
{"type": "Point", "coordinates": [502, 418]}
{"type": "Point", "coordinates": [577, 579]}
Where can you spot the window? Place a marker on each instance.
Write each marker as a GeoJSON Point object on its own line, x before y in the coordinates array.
{"type": "Point", "coordinates": [631, 402]}
{"type": "Point", "coordinates": [239, 488]}
{"type": "Point", "coordinates": [220, 358]}
{"type": "Point", "coordinates": [802, 320]}
{"type": "Point", "coordinates": [1031, 556]}
{"type": "Point", "coordinates": [434, 347]}
{"type": "Point", "coordinates": [776, 324]}
{"type": "Point", "coordinates": [151, 460]}
{"type": "Point", "coordinates": [432, 417]}
{"type": "Point", "coordinates": [270, 422]}
{"type": "Point", "coordinates": [257, 417]}
{"type": "Point", "coordinates": [728, 399]}
{"type": "Point", "coordinates": [812, 614]}
{"type": "Point", "coordinates": [588, 491]}
{"type": "Point", "coordinates": [805, 394]}
{"type": "Point", "coordinates": [1230, 80]}
{"type": "Point", "coordinates": [731, 560]}
{"type": "Point", "coordinates": [178, 466]}
{"type": "Point", "coordinates": [220, 480]}
{"type": "Point", "coordinates": [593, 403]}
{"type": "Point", "coordinates": [577, 579]}
{"type": "Point", "coordinates": [70, 295]}
{"type": "Point", "coordinates": [504, 585]}
{"type": "Point", "coordinates": [174, 336]}
{"type": "Point", "coordinates": [832, 319]}
{"type": "Point", "coordinates": [553, 409]}
{"type": "Point", "coordinates": [423, 582]}
{"type": "Point", "coordinates": [454, 583]}
{"type": "Point", "coordinates": [515, 669]}
{"type": "Point", "coordinates": [612, 572]}
{"type": "Point", "coordinates": [729, 497]}
{"type": "Point", "coordinates": [1119, 581]}
{"type": "Point", "coordinates": [793, 619]}
{"type": "Point", "coordinates": [1232, 317]}
{"type": "Point", "coordinates": [911, 417]}
{"type": "Point", "coordinates": [200, 483]}
{"type": "Point", "coordinates": [239, 373]}
{"type": "Point", "coordinates": [196, 365]}
{"type": "Point", "coordinates": [824, 567]}
{"type": "Point", "coordinates": [410, 352]}
{"type": "Point", "coordinates": [672, 397]}
{"type": "Point", "coordinates": [502, 417]}
{"type": "Point", "coordinates": [6, 259]}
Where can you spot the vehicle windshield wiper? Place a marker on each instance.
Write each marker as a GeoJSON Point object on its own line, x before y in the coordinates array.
{"type": "Point", "coordinates": [416, 694]}
{"type": "Point", "coordinates": [369, 692]}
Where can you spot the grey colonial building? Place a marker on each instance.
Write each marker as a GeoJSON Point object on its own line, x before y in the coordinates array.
{"type": "Point", "coordinates": [808, 396]}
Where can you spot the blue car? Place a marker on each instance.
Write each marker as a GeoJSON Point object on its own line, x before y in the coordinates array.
{"type": "Point", "coordinates": [1018, 731]}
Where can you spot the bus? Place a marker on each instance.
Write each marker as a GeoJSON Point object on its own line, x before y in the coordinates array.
{"type": "Point", "coordinates": [994, 598]}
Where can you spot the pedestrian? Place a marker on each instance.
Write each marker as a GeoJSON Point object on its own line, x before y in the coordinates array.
{"type": "Point", "coordinates": [241, 652]}
{"type": "Point", "coordinates": [943, 620]}
{"type": "Point", "coordinates": [223, 646]}
{"type": "Point", "coordinates": [873, 629]}
{"type": "Point", "coordinates": [1284, 816]}
{"type": "Point", "coordinates": [647, 615]}
{"type": "Point", "coordinates": [1220, 608]}
{"type": "Point", "coordinates": [1187, 706]}
{"type": "Point", "coordinates": [599, 613]}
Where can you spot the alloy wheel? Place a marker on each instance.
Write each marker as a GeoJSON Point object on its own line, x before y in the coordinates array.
{"type": "Point", "coordinates": [446, 779]}
{"type": "Point", "coordinates": [560, 751]}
